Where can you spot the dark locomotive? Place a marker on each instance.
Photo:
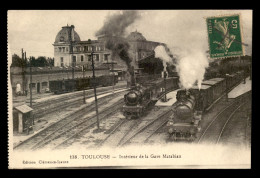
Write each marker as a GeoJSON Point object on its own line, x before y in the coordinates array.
{"type": "Point", "coordinates": [77, 84]}
{"type": "Point", "coordinates": [186, 118]}
{"type": "Point", "coordinates": [141, 96]}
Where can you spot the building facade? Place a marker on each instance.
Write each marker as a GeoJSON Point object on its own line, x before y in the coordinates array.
{"type": "Point", "coordinates": [41, 77]}
{"type": "Point", "coordinates": [69, 50]}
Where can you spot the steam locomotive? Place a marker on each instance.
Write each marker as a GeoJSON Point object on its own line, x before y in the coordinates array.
{"type": "Point", "coordinates": [186, 118]}
{"type": "Point", "coordinates": [141, 96]}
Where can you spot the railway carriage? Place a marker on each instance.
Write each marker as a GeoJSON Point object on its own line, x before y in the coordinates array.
{"type": "Point", "coordinates": [57, 86]}
{"type": "Point", "coordinates": [216, 88]}
{"type": "Point", "coordinates": [221, 83]}
{"type": "Point", "coordinates": [186, 129]}
{"type": "Point", "coordinates": [69, 85]}
{"type": "Point", "coordinates": [83, 83]}
{"type": "Point", "coordinates": [205, 94]}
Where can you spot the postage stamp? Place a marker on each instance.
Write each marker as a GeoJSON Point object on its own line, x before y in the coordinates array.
{"type": "Point", "coordinates": [225, 36]}
{"type": "Point", "coordinates": [113, 89]}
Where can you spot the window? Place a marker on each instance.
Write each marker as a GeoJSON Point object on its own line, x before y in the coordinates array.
{"type": "Point", "coordinates": [61, 62]}
{"type": "Point", "coordinates": [97, 57]}
{"type": "Point", "coordinates": [74, 61]}
{"type": "Point", "coordinates": [67, 49]}
{"type": "Point", "coordinates": [89, 57]}
{"type": "Point", "coordinates": [106, 57]}
{"type": "Point", "coordinates": [82, 58]}
{"type": "Point", "coordinates": [59, 49]}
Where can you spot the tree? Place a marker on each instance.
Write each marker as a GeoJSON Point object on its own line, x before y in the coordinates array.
{"type": "Point", "coordinates": [17, 61]}
{"type": "Point", "coordinates": [41, 61]}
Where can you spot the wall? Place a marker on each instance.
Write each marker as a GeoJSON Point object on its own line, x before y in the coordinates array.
{"type": "Point", "coordinates": [46, 77]}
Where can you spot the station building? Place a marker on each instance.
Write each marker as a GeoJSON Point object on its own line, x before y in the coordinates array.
{"type": "Point", "coordinates": [70, 50]}
{"type": "Point", "coordinates": [71, 53]}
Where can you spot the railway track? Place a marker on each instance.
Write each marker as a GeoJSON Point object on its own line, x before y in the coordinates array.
{"type": "Point", "coordinates": [65, 96]}
{"type": "Point", "coordinates": [118, 133]}
{"type": "Point", "coordinates": [239, 113]}
{"type": "Point", "coordinates": [51, 131]}
{"type": "Point", "coordinates": [128, 130]}
{"type": "Point", "coordinates": [61, 138]}
{"type": "Point", "coordinates": [51, 106]}
{"type": "Point", "coordinates": [143, 134]}
{"type": "Point", "coordinates": [214, 130]}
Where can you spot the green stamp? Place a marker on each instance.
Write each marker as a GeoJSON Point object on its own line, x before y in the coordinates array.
{"type": "Point", "coordinates": [224, 35]}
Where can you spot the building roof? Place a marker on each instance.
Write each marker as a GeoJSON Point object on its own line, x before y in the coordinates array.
{"type": "Point", "coordinates": [136, 36]}
{"type": "Point", "coordinates": [217, 79]}
{"type": "Point", "coordinates": [18, 70]}
{"type": "Point", "coordinates": [24, 108]}
{"type": "Point", "coordinates": [203, 87]}
{"type": "Point", "coordinates": [63, 35]}
{"type": "Point", "coordinates": [209, 82]}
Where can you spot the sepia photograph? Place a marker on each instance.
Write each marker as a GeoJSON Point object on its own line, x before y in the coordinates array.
{"type": "Point", "coordinates": [131, 89]}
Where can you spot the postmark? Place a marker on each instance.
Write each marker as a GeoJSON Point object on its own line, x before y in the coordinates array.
{"type": "Point", "coordinates": [225, 36]}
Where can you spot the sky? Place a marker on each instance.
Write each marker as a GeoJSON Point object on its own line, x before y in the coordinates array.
{"type": "Point", "coordinates": [181, 30]}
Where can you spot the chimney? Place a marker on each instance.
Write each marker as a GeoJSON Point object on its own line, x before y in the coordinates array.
{"type": "Point", "coordinates": [72, 33]}
{"type": "Point", "coordinates": [22, 54]}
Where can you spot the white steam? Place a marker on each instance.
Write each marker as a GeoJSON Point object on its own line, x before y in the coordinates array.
{"type": "Point", "coordinates": [191, 68]}
{"type": "Point", "coordinates": [161, 53]}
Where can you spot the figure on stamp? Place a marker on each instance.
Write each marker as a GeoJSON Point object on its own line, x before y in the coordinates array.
{"type": "Point", "coordinates": [223, 27]}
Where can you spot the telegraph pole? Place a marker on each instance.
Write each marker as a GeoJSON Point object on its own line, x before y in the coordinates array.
{"type": "Point", "coordinates": [23, 71]}
{"type": "Point", "coordinates": [84, 93]}
{"type": "Point", "coordinates": [94, 83]}
{"type": "Point", "coordinates": [30, 81]}
{"type": "Point", "coordinates": [165, 75]}
{"type": "Point", "coordinates": [71, 52]}
{"type": "Point", "coordinates": [227, 76]}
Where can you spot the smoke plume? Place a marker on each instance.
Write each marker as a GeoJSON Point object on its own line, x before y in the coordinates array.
{"type": "Point", "coordinates": [116, 24]}
{"type": "Point", "coordinates": [191, 68]}
{"type": "Point", "coordinates": [114, 29]}
{"type": "Point", "coordinates": [160, 52]}
{"type": "Point", "coordinates": [119, 48]}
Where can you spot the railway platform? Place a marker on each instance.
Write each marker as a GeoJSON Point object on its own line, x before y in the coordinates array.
{"type": "Point", "coordinates": [241, 88]}
{"type": "Point", "coordinates": [41, 97]}
{"type": "Point", "coordinates": [171, 97]}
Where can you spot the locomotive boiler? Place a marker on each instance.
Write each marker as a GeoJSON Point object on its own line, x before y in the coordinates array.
{"type": "Point", "coordinates": [184, 122]}
{"type": "Point", "coordinates": [136, 101]}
